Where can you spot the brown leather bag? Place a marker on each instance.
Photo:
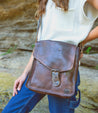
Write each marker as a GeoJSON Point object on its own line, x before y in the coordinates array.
{"type": "Point", "coordinates": [54, 69]}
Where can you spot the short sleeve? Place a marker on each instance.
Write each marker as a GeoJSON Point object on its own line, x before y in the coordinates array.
{"type": "Point", "coordinates": [89, 11]}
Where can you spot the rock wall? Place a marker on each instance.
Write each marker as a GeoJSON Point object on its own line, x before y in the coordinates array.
{"type": "Point", "coordinates": [17, 24]}
{"type": "Point", "coordinates": [17, 34]}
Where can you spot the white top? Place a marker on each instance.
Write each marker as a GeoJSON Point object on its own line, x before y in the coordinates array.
{"type": "Point", "coordinates": [71, 26]}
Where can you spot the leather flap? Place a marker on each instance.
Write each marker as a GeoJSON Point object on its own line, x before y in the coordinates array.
{"type": "Point", "coordinates": [55, 54]}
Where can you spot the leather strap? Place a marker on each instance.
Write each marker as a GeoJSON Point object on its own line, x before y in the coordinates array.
{"type": "Point", "coordinates": [39, 24]}
{"type": "Point", "coordinates": [75, 104]}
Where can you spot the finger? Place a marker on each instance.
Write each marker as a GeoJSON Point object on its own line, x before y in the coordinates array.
{"type": "Point", "coordinates": [15, 87]}
{"type": "Point", "coordinates": [16, 84]}
{"type": "Point", "coordinates": [14, 92]}
{"type": "Point", "coordinates": [19, 86]}
{"type": "Point", "coordinates": [81, 55]}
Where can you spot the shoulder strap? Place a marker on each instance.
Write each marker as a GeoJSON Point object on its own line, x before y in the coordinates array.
{"type": "Point", "coordinates": [39, 24]}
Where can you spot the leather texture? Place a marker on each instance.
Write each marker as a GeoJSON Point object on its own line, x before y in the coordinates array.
{"type": "Point", "coordinates": [54, 69]}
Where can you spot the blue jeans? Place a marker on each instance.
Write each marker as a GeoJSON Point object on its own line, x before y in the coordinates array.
{"type": "Point", "coordinates": [26, 100]}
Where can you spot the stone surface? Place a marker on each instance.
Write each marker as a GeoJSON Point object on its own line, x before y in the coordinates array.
{"type": "Point", "coordinates": [89, 90]}
{"type": "Point", "coordinates": [17, 34]}
{"type": "Point", "coordinates": [17, 24]}
{"type": "Point", "coordinates": [14, 63]}
{"type": "Point", "coordinates": [93, 45]}
{"type": "Point", "coordinates": [6, 86]}
{"type": "Point", "coordinates": [90, 60]}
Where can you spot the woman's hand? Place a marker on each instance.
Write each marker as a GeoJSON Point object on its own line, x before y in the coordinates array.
{"type": "Point", "coordinates": [18, 83]}
{"type": "Point", "coordinates": [81, 55]}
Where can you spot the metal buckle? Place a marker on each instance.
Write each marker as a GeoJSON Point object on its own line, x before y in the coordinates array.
{"type": "Point", "coordinates": [55, 77]}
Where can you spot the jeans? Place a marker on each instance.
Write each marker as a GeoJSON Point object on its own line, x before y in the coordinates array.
{"type": "Point", "coordinates": [26, 100]}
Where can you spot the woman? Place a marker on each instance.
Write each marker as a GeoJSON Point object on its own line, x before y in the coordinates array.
{"type": "Point", "coordinates": [71, 21]}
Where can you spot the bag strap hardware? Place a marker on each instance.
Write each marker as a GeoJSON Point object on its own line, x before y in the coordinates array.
{"type": "Point", "coordinates": [55, 77]}
{"type": "Point", "coordinates": [81, 47]}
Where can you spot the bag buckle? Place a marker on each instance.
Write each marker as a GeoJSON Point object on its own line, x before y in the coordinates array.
{"type": "Point", "coordinates": [55, 77]}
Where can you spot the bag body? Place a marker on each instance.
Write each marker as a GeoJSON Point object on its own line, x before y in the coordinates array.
{"type": "Point", "coordinates": [54, 69]}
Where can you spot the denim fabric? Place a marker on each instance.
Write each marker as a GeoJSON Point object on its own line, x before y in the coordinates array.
{"type": "Point", "coordinates": [26, 100]}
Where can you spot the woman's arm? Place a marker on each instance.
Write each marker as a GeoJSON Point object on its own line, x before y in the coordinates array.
{"type": "Point", "coordinates": [18, 82]}
{"type": "Point", "coordinates": [28, 67]}
{"type": "Point", "coordinates": [94, 33]}
{"type": "Point", "coordinates": [91, 36]}
{"type": "Point", "coordinates": [94, 3]}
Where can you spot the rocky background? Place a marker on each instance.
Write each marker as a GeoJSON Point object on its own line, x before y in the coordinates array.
{"type": "Point", "coordinates": [17, 36]}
